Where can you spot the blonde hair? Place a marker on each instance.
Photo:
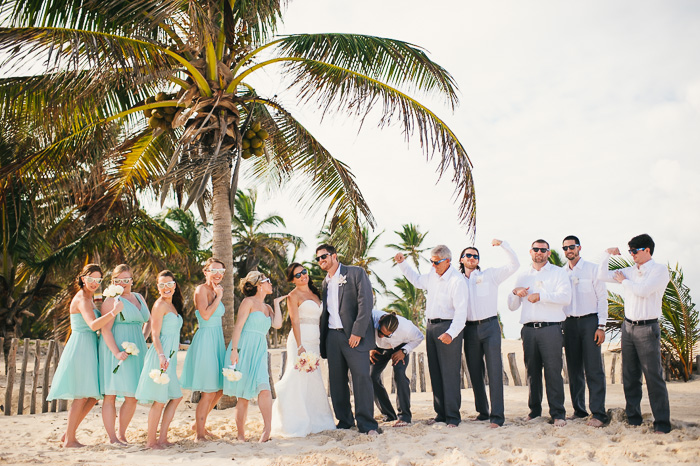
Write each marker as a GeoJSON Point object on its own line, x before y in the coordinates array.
{"type": "Point", "coordinates": [249, 284]}
{"type": "Point", "coordinates": [212, 260]}
{"type": "Point", "coordinates": [119, 269]}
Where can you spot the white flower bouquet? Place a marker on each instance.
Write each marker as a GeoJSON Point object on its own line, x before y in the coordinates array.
{"type": "Point", "coordinates": [129, 348]}
{"type": "Point", "coordinates": [114, 291]}
{"type": "Point", "coordinates": [231, 374]}
{"type": "Point", "coordinates": [159, 376]}
{"type": "Point", "coordinates": [307, 362]}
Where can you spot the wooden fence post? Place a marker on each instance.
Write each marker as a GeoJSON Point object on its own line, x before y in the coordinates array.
{"type": "Point", "coordinates": [23, 377]}
{"type": "Point", "coordinates": [47, 374]}
{"type": "Point", "coordinates": [57, 356]}
{"type": "Point", "coordinates": [464, 374]}
{"type": "Point", "coordinates": [62, 404]}
{"type": "Point", "coordinates": [284, 363]}
{"type": "Point", "coordinates": [414, 373]}
{"type": "Point", "coordinates": [505, 376]}
{"type": "Point", "coordinates": [11, 369]}
{"type": "Point", "coordinates": [269, 375]}
{"type": "Point", "coordinates": [612, 369]}
{"type": "Point", "coordinates": [421, 371]}
{"type": "Point", "coordinates": [2, 353]}
{"type": "Point", "coordinates": [514, 370]}
{"type": "Point", "coordinates": [564, 370]}
{"type": "Point", "coordinates": [35, 376]}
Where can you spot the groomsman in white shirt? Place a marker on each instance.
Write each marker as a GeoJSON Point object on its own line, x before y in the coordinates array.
{"type": "Point", "coordinates": [482, 334]}
{"type": "Point", "coordinates": [643, 287]}
{"type": "Point", "coordinates": [543, 290]}
{"type": "Point", "coordinates": [584, 332]}
{"type": "Point", "coordinates": [446, 311]}
{"type": "Point", "coordinates": [395, 338]}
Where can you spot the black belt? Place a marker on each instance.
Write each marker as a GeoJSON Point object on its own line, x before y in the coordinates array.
{"type": "Point", "coordinates": [540, 324]}
{"type": "Point", "coordinates": [642, 322]}
{"type": "Point", "coordinates": [582, 317]}
{"type": "Point", "coordinates": [482, 321]}
{"type": "Point", "coordinates": [438, 321]}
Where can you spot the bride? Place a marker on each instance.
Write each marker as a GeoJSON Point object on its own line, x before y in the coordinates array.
{"type": "Point", "coordinates": [301, 407]}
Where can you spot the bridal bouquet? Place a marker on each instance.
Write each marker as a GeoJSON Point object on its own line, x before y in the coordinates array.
{"type": "Point", "coordinates": [307, 362]}
{"type": "Point", "coordinates": [129, 348]}
{"type": "Point", "coordinates": [231, 374]}
{"type": "Point", "coordinates": [159, 376]}
{"type": "Point", "coordinates": [114, 291]}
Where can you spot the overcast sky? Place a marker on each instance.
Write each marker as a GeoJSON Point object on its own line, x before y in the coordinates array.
{"type": "Point", "coordinates": [579, 117]}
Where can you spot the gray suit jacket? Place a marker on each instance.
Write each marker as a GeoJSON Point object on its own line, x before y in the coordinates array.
{"type": "Point", "coordinates": [355, 302]}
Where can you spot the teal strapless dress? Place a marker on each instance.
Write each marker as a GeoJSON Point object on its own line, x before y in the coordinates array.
{"type": "Point", "coordinates": [148, 391]}
{"type": "Point", "coordinates": [125, 381]}
{"type": "Point", "coordinates": [77, 375]}
{"type": "Point", "coordinates": [205, 356]}
{"type": "Point", "coordinates": [252, 358]}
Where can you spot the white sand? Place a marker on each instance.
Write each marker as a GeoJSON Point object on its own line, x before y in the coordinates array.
{"type": "Point", "coordinates": [34, 439]}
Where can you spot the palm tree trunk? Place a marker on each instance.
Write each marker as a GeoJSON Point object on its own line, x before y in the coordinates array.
{"type": "Point", "coordinates": [221, 240]}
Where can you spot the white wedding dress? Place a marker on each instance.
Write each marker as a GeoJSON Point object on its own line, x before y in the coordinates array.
{"type": "Point", "coordinates": [301, 407]}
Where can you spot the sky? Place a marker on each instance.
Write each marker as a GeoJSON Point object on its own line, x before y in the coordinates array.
{"type": "Point", "coordinates": [579, 118]}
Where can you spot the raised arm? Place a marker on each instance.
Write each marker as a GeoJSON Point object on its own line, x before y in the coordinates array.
{"type": "Point", "coordinates": [95, 324]}
{"type": "Point", "coordinates": [604, 272]}
{"type": "Point", "coordinates": [201, 300]}
{"type": "Point", "coordinates": [656, 280]}
{"type": "Point", "coordinates": [512, 264]}
{"type": "Point", "coordinates": [416, 279]}
{"type": "Point", "coordinates": [276, 317]}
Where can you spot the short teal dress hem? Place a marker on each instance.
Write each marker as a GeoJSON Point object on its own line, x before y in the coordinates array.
{"type": "Point", "coordinates": [205, 356]}
{"type": "Point", "coordinates": [148, 391]}
{"type": "Point", "coordinates": [252, 358]}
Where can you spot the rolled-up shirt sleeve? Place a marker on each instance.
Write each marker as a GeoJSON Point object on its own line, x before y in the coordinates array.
{"type": "Point", "coordinates": [604, 272]}
{"type": "Point", "coordinates": [415, 337]}
{"type": "Point", "coordinates": [601, 296]}
{"type": "Point", "coordinates": [561, 294]}
{"type": "Point", "coordinates": [655, 281]}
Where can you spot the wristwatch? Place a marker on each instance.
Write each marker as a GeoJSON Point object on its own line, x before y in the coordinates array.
{"type": "Point", "coordinates": [404, 351]}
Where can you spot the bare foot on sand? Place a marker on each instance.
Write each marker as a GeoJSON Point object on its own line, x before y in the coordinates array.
{"type": "Point", "coordinates": [74, 444]}
{"type": "Point", "coordinates": [559, 422]}
{"type": "Point", "coordinates": [155, 446]}
{"type": "Point", "coordinates": [493, 425]}
{"type": "Point", "coordinates": [593, 422]}
{"type": "Point", "coordinates": [265, 436]}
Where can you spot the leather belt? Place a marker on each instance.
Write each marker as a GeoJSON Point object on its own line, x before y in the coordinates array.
{"type": "Point", "coordinates": [482, 321]}
{"type": "Point", "coordinates": [582, 317]}
{"type": "Point", "coordinates": [641, 322]}
{"type": "Point", "coordinates": [438, 321]}
{"type": "Point", "coordinates": [540, 324]}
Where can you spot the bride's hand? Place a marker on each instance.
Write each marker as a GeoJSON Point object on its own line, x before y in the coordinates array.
{"type": "Point", "coordinates": [301, 350]}
{"type": "Point", "coordinates": [280, 299]}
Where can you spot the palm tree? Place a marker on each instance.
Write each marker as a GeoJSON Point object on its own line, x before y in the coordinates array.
{"type": "Point", "coordinates": [411, 242]}
{"type": "Point", "coordinates": [555, 259]}
{"type": "Point", "coordinates": [164, 88]}
{"type": "Point", "coordinates": [680, 320]}
{"type": "Point", "coordinates": [410, 303]}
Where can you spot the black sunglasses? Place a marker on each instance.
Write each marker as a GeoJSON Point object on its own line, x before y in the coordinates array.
{"type": "Point", "coordinates": [322, 256]}
{"type": "Point", "coordinates": [470, 255]}
{"type": "Point", "coordinates": [384, 334]}
{"type": "Point", "coordinates": [636, 250]}
{"type": "Point", "coordinates": [438, 262]}
{"type": "Point", "coordinates": [540, 249]}
{"type": "Point", "coordinates": [298, 275]}
{"type": "Point", "coordinates": [570, 247]}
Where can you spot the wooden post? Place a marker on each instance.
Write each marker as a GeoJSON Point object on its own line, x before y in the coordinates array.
{"type": "Point", "coordinates": [57, 356]}
{"type": "Point", "coordinates": [393, 382]}
{"type": "Point", "coordinates": [514, 370]}
{"type": "Point", "coordinates": [486, 372]}
{"type": "Point", "coordinates": [564, 370]}
{"type": "Point", "coordinates": [414, 374]}
{"type": "Point", "coordinates": [2, 353]}
{"type": "Point", "coordinates": [284, 363]}
{"type": "Point", "coordinates": [602, 361]}
{"type": "Point", "coordinates": [11, 369]}
{"type": "Point", "coordinates": [697, 363]}
{"type": "Point", "coordinates": [505, 376]}
{"type": "Point", "coordinates": [23, 377]}
{"type": "Point", "coordinates": [35, 376]}
{"type": "Point", "coordinates": [421, 371]}
{"type": "Point", "coordinates": [612, 369]}
{"type": "Point", "coordinates": [269, 375]}
{"type": "Point", "coordinates": [62, 404]}
{"type": "Point", "coordinates": [665, 363]}
{"type": "Point", "coordinates": [464, 373]}
{"type": "Point", "coordinates": [47, 373]}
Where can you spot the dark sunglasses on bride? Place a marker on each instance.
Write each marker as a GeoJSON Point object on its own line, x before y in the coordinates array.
{"type": "Point", "coordinates": [303, 272]}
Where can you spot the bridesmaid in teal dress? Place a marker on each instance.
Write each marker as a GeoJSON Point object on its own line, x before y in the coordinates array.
{"type": "Point", "coordinates": [77, 376]}
{"type": "Point", "coordinates": [248, 350]}
{"type": "Point", "coordinates": [166, 323]}
{"type": "Point", "coordinates": [205, 356]}
{"type": "Point", "coordinates": [128, 326]}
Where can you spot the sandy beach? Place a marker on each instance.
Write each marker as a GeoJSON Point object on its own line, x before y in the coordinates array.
{"type": "Point", "coordinates": [35, 439]}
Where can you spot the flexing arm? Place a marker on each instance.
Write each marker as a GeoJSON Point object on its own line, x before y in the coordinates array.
{"type": "Point", "coordinates": [416, 279]}
{"type": "Point", "coordinates": [656, 280]}
{"type": "Point", "coordinates": [97, 323]}
{"type": "Point", "coordinates": [502, 273]}
{"type": "Point", "coordinates": [604, 272]}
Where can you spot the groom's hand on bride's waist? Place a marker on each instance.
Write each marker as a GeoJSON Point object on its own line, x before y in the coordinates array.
{"type": "Point", "coordinates": [354, 341]}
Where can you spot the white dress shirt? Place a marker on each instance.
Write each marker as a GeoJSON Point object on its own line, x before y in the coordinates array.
{"type": "Point", "coordinates": [447, 297]}
{"type": "Point", "coordinates": [643, 287]}
{"type": "Point", "coordinates": [483, 286]}
{"type": "Point", "coordinates": [588, 294]}
{"type": "Point", "coordinates": [554, 288]}
{"type": "Point", "coordinates": [406, 333]}
{"type": "Point", "coordinates": [332, 292]}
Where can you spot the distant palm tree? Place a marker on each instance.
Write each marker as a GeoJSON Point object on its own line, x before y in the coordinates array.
{"type": "Point", "coordinates": [411, 243]}
{"type": "Point", "coordinates": [409, 302]}
{"type": "Point", "coordinates": [556, 259]}
{"type": "Point", "coordinates": [680, 320]}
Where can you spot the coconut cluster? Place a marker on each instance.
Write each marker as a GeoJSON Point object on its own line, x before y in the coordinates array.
{"type": "Point", "coordinates": [254, 140]}
{"type": "Point", "coordinates": [160, 117]}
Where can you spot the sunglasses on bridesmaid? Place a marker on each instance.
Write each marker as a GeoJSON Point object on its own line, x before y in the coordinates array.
{"type": "Point", "coordinates": [121, 281]}
{"type": "Point", "coordinates": [166, 285]}
{"type": "Point", "coordinates": [303, 272]}
{"type": "Point", "coordinates": [89, 279]}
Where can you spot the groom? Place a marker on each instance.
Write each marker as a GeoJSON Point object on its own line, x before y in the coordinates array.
{"type": "Point", "coordinates": [347, 336]}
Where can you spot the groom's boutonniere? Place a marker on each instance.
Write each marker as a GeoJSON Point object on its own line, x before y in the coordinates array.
{"type": "Point", "coordinates": [341, 280]}
{"type": "Point", "coordinates": [574, 280]}
{"type": "Point", "coordinates": [479, 280]}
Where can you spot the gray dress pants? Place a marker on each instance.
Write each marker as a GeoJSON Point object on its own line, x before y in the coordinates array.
{"type": "Point", "coordinates": [583, 359]}
{"type": "Point", "coordinates": [542, 349]}
{"type": "Point", "coordinates": [641, 354]}
{"type": "Point", "coordinates": [403, 386]}
{"type": "Point", "coordinates": [484, 341]}
{"type": "Point", "coordinates": [444, 366]}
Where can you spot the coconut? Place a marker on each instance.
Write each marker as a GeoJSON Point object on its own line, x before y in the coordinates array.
{"type": "Point", "coordinates": [150, 99]}
{"type": "Point", "coordinates": [246, 154]}
{"type": "Point", "coordinates": [148, 112]}
{"type": "Point", "coordinates": [170, 110]}
{"type": "Point", "coordinates": [262, 134]}
{"type": "Point", "coordinates": [154, 122]}
{"type": "Point", "coordinates": [258, 151]}
{"type": "Point", "coordinates": [158, 113]}
{"type": "Point", "coordinates": [250, 134]}
{"type": "Point", "coordinates": [257, 126]}
{"type": "Point", "coordinates": [245, 144]}
{"type": "Point", "coordinates": [161, 96]}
